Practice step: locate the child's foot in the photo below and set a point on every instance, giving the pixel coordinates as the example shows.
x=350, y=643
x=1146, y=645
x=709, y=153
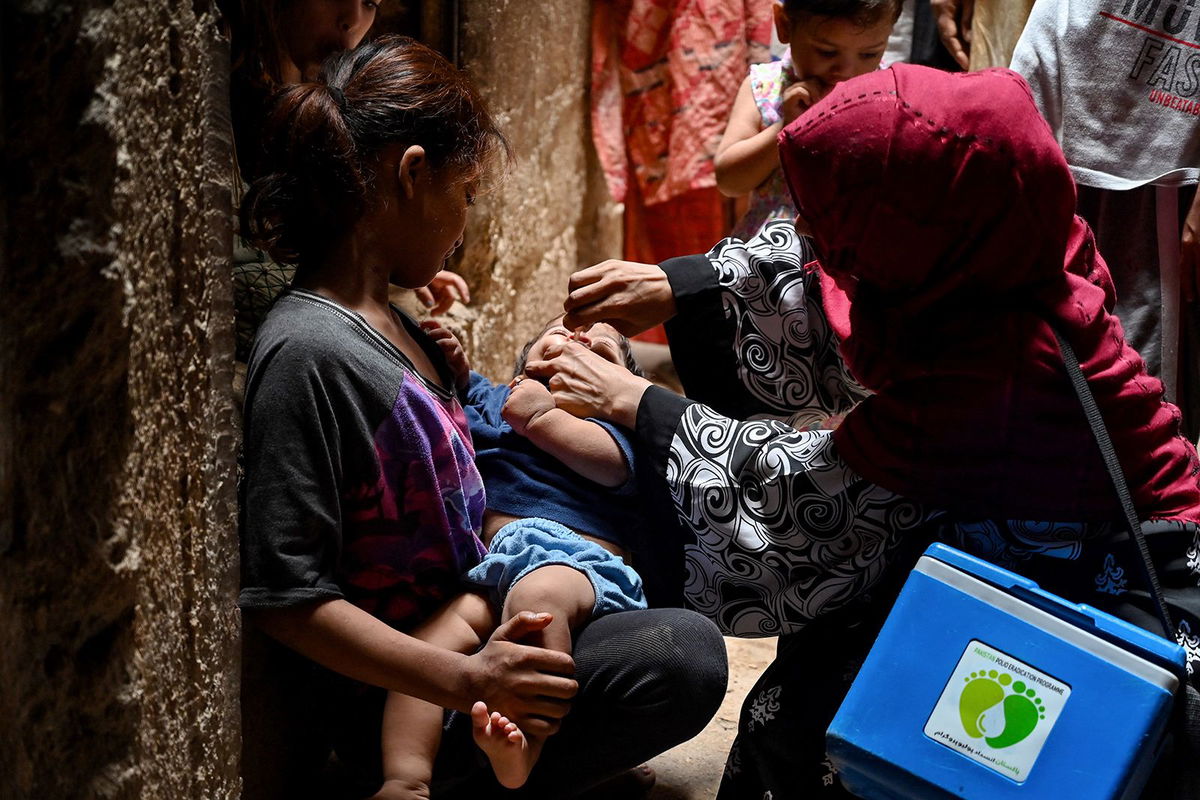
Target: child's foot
x=504, y=744
x=400, y=789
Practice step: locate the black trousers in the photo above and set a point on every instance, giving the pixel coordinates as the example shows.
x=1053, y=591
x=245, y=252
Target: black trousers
x=648, y=680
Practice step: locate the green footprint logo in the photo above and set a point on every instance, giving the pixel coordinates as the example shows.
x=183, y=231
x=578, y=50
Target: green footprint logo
x=1000, y=710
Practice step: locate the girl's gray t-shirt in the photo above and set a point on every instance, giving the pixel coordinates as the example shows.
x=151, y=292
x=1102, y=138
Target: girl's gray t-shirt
x=360, y=481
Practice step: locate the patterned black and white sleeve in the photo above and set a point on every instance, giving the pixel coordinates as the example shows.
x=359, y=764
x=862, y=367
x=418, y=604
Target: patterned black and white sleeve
x=750, y=338
x=781, y=529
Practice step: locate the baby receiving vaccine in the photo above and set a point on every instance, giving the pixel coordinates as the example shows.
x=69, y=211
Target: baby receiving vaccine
x=560, y=507
x=828, y=42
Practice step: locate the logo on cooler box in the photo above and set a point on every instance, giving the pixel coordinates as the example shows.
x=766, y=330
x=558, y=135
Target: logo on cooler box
x=997, y=710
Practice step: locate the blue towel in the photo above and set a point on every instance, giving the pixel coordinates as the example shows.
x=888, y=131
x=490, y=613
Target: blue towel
x=522, y=546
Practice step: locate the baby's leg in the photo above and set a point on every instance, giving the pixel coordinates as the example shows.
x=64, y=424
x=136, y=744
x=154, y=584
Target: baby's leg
x=412, y=728
x=567, y=594
x=563, y=591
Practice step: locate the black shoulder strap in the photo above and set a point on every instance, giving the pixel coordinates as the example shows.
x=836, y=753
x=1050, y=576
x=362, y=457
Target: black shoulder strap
x=1118, y=479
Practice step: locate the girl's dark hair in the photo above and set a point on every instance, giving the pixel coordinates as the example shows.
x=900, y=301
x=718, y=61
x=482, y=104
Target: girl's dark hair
x=323, y=140
x=630, y=361
x=863, y=13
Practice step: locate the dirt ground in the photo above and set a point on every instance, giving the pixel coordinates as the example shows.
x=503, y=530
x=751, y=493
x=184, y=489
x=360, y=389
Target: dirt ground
x=692, y=771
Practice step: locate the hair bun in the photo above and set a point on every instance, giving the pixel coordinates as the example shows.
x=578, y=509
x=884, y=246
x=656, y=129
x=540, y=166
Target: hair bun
x=319, y=163
x=339, y=97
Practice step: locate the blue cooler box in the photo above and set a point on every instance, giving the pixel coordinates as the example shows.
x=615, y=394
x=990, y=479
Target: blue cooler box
x=982, y=685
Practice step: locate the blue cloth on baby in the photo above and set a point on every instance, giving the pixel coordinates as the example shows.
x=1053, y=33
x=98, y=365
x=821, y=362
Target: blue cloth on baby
x=523, y=481
x=522, y=546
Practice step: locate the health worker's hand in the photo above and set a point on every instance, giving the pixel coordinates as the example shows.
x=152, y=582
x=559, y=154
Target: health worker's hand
x=529, y=685
x=452, y=349
x=954, y=19
x=528, y=401
x=442, y=291
x=631, y=297
x=587, y=385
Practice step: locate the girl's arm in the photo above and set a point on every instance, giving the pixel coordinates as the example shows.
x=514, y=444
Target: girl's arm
x=748, y=152
x=527, y=682
x=585, y=447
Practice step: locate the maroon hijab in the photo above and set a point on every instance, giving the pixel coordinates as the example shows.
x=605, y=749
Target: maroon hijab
x=943, y=211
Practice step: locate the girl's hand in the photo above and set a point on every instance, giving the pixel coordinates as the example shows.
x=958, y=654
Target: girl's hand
x=631, y=297
x=452, y=349
x=442, y=291
x=529, y=685
x=587, y=385
x=799, y=97
x=527, y=401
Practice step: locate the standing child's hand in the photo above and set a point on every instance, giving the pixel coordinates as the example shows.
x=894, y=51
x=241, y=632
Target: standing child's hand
x=798, y=97
x=954, y=19
x=452, y=349
x=527, y=401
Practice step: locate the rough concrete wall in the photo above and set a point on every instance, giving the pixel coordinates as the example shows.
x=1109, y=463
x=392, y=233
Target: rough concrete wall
x=552, y=213
x=117, y=623
x=118, y=634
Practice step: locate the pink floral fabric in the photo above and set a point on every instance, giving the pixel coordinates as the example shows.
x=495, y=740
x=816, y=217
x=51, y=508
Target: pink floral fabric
x=664, y=76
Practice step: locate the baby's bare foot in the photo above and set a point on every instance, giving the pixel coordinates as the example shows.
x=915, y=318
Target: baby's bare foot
x=400, y=789
x=504, y=744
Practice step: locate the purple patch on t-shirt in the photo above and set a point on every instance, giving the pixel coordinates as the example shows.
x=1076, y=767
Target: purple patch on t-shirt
x=410, y=537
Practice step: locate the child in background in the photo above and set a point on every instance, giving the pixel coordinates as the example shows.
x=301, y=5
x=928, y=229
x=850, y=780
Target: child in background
x=828, y=42
x=560, y=506
x=1134, y=149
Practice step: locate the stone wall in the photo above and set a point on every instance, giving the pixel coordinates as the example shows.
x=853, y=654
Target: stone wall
x=118, y=636
x=550, y=213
